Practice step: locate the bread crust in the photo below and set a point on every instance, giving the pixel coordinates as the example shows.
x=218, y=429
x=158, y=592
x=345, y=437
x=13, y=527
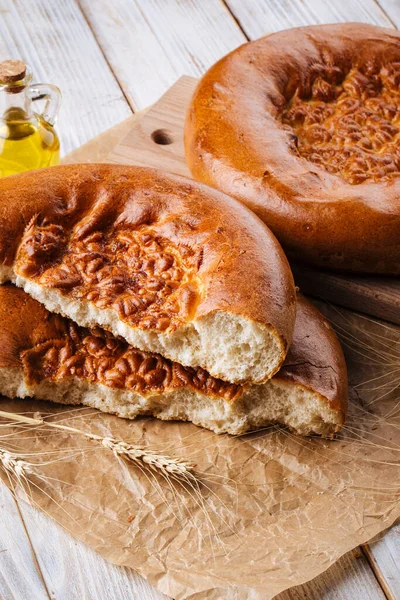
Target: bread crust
x=49, y=347
x=240, y=139
x=160, y=250
x=315, y=359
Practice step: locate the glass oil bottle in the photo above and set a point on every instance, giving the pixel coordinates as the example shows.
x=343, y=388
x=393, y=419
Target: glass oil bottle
x=27, y=138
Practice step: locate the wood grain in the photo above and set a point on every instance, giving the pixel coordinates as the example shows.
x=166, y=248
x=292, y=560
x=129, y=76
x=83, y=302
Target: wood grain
x=165, y=118
x=350, y=577
x=384, y=557
x=391, y=8
x=376, y=296
x=19, y=576
x=257, y=18
x=102, y=144
x=151, y=43
x=56, y=41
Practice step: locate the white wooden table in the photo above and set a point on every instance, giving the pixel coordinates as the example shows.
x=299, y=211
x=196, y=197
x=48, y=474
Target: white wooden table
x=112, y=58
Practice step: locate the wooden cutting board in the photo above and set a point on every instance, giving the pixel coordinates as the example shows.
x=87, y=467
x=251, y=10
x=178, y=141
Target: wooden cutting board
x=155, y=138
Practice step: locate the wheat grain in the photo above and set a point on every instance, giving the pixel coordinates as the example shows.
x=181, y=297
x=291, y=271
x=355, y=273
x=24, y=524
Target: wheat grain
x=14, y=465
x=154, y=461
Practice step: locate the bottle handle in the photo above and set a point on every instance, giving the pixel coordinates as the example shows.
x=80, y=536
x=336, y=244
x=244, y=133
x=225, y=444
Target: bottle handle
x=52, y=95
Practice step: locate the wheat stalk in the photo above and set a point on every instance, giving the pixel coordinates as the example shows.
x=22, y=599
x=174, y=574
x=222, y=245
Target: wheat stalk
x=144, y=457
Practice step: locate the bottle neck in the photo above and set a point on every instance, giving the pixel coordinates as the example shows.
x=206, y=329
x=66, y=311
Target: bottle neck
x=15, y=104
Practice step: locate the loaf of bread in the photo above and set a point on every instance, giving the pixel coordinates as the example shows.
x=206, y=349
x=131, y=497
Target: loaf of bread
x=170, y=265
x=51, y=358
x=302, y=126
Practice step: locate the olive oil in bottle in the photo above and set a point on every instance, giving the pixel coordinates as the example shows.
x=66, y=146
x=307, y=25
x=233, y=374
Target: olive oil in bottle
x=27, y=139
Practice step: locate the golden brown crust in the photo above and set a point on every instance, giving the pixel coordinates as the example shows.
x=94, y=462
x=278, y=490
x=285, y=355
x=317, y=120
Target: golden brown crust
x=315, y=358
x=49, y=347
x=304, y=127
x=160, y=250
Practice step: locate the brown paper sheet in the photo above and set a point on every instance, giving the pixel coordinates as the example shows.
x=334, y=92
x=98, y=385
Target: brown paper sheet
x=275, y=509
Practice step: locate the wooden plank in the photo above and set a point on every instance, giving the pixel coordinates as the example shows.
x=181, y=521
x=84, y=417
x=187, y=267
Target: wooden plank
x=151, y=43
x=391, y=9
x=259, y=18
x=73, y=570
x=101, y=145
x=351, y=578
x=19, y=575
x=384, y=557
x=156, y=140
x=56, y=41
x=377, y=296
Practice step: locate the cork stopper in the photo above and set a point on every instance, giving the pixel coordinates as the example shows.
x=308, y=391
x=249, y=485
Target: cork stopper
x=12, y=70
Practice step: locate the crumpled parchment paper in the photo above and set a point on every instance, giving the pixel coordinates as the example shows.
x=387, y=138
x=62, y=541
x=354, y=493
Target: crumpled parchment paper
x=274, y=509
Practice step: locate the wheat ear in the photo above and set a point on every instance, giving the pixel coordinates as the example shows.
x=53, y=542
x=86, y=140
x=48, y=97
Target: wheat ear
x=14, y=465
x=136, y=454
